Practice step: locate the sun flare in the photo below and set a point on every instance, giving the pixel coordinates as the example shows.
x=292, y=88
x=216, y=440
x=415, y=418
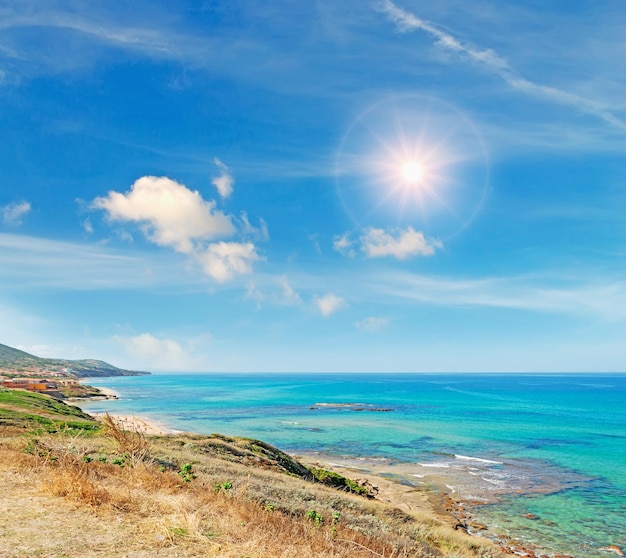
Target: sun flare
x=412, y=172
x=412, y=159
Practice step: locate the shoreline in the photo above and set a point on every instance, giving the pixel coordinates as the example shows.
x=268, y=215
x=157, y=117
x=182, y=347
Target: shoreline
x=427, y=499
x=435, y=498
x=432, y=493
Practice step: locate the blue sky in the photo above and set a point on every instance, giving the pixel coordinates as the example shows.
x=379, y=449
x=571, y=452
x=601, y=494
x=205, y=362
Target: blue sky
x=315, y=186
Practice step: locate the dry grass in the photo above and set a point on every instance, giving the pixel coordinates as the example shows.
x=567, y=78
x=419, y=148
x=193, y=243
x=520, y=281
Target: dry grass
x=149, y=504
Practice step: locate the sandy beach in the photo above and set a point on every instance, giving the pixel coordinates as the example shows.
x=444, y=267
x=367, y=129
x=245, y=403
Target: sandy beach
x=144, y=425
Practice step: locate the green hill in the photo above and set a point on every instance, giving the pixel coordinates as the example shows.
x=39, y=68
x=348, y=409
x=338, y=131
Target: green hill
x=21, y=408
x=14, y=361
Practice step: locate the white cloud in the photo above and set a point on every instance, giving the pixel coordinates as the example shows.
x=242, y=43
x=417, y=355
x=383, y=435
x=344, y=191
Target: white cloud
x=12, y=213
x=377, y=243
x=288, y=294
x=155, y=353
x=329, y=303
x=343, y=245
x=406, y=21
x=224, y=182
x=224, y=260
x=170, y=214
x=372, y=324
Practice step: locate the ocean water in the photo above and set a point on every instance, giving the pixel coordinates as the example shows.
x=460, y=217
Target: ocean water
x=553, y=446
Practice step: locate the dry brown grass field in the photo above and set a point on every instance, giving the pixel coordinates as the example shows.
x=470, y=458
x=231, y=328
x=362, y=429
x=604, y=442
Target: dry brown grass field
x=117, y=493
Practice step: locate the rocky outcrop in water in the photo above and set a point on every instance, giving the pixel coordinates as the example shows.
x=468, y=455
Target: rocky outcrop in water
x=351, y=407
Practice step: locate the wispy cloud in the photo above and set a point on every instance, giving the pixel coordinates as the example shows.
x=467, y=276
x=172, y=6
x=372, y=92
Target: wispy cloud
x=13, y=213
x=372, y=324
x=87, y=226
x=28, y=261
x=250, y=231
x=289, y=295
x=492, y=61
x=548, y=293
x=137, y=38
x=344, y=245
x=275, y=290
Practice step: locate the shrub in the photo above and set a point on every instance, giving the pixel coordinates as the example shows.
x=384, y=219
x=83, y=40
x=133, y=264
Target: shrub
x=338, y=481
x=186, y=472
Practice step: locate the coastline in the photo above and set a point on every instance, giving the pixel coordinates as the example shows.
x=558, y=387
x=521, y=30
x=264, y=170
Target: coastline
x=454, y=481
x=409, y=498
x=434, y=499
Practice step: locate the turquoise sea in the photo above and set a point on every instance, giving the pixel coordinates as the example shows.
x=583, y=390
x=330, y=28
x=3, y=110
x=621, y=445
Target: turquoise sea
x=553, y=446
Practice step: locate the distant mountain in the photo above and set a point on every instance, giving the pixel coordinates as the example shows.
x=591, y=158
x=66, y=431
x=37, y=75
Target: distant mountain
x=16, y=361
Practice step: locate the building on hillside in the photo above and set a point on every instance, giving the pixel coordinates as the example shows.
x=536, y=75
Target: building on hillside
x=68, y=381
x=31, y=384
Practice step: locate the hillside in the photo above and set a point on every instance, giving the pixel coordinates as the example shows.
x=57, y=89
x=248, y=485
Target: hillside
x=16, y=362
x=19, y=408
x=90, y=490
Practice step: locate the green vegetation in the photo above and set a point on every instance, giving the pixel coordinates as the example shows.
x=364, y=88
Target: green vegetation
x=24, y=408
x=186, y=472
x=222, y=486
x=338, y=481
x=315, y=517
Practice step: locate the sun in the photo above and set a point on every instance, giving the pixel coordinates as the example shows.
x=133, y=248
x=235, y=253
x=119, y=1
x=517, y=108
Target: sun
x=412, y=172
x=412, y=160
